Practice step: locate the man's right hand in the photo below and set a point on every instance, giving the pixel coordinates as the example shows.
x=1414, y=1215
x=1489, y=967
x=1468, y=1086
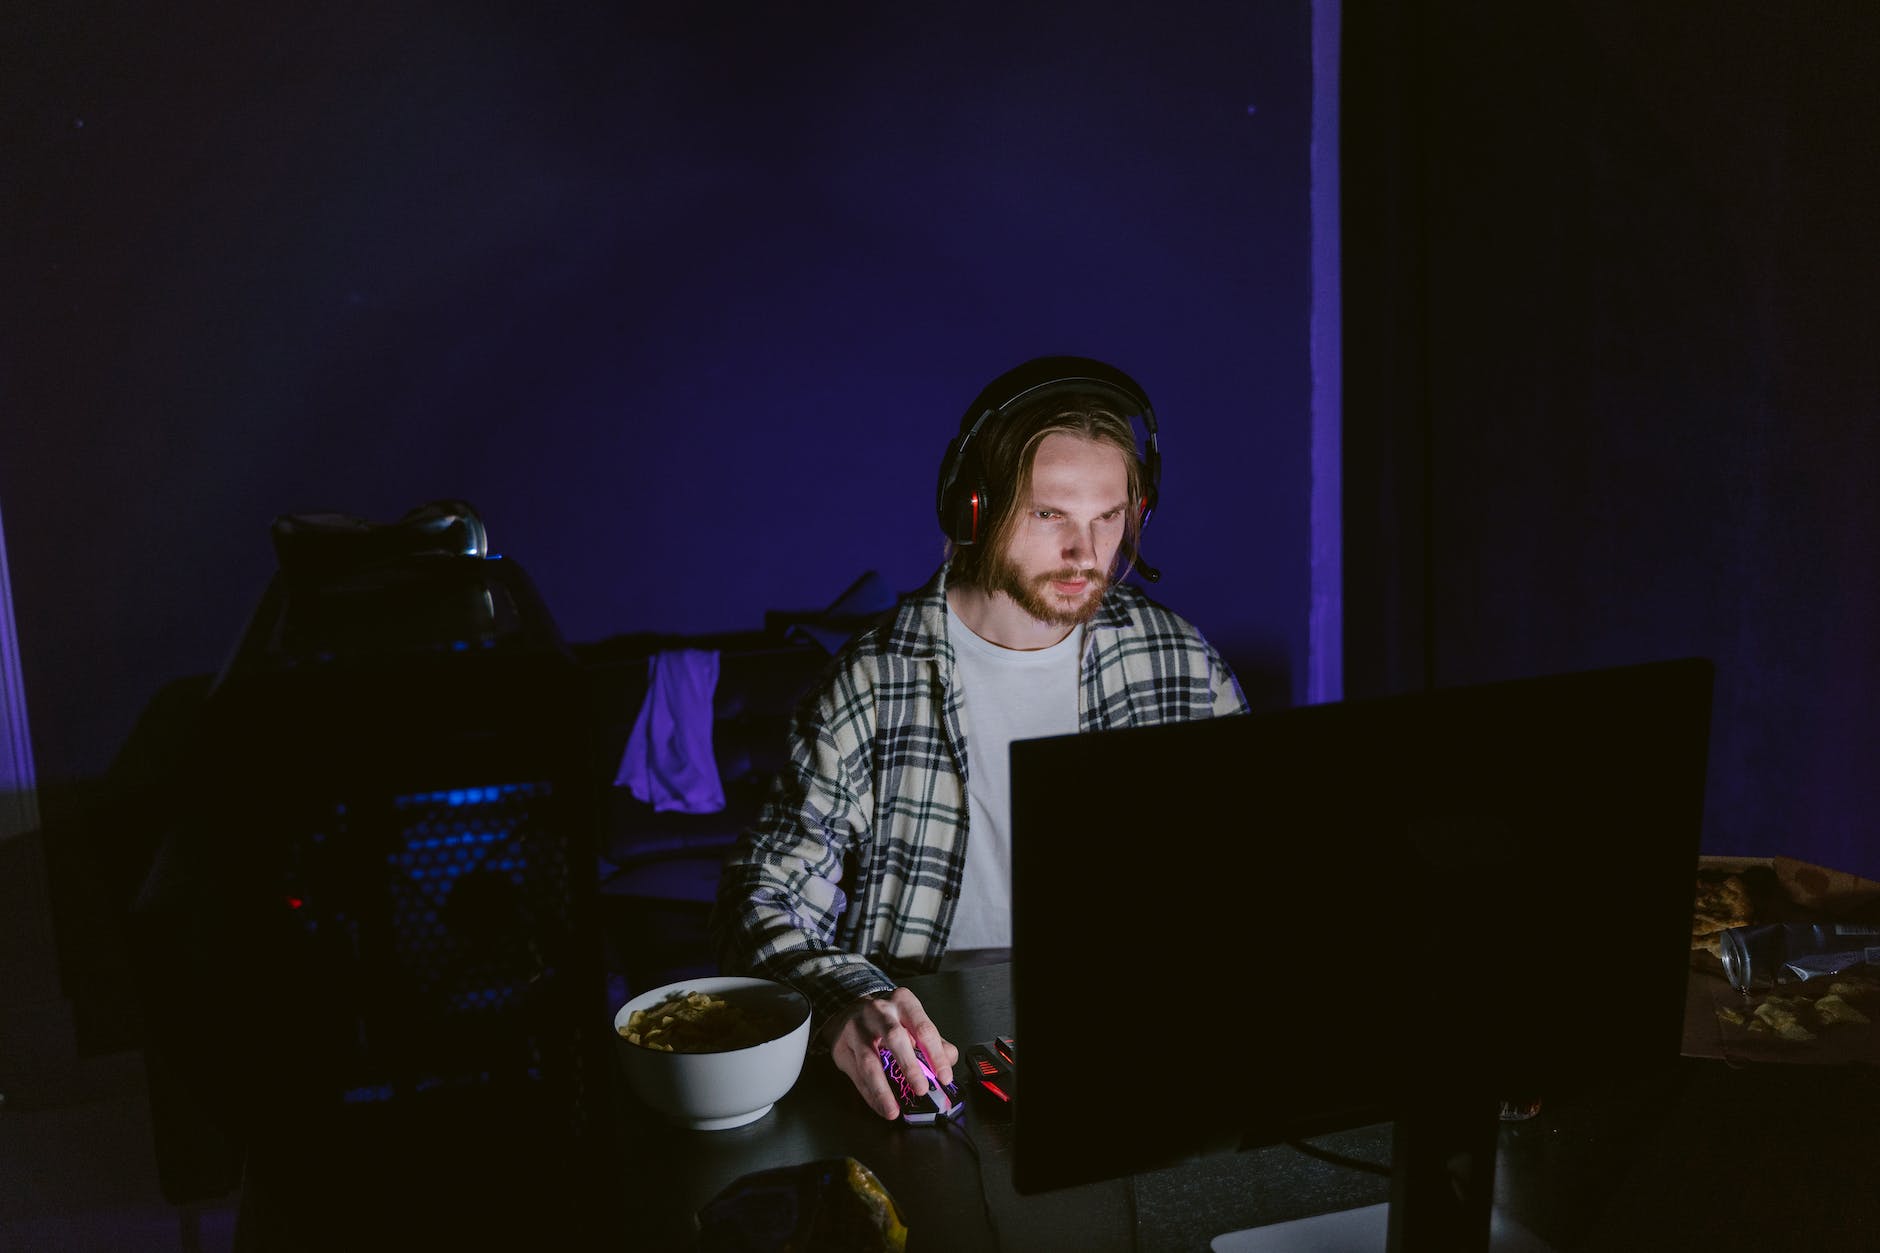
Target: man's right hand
x=897, y=1023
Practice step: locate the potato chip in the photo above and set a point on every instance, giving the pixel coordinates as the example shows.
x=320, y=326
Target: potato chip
x=695, y=1022
x=1783, y=1021
x=1833, y=1009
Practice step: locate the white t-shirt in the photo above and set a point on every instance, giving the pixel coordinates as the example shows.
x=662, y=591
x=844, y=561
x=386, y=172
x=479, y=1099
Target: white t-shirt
x=1006, y=694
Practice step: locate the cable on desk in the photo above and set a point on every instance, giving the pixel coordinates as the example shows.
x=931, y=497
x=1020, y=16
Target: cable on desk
x=979, y=1171
x=1339, y=1159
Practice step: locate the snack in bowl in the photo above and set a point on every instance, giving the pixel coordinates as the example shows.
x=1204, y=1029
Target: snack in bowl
x=698, y=1022
x=715, y=1052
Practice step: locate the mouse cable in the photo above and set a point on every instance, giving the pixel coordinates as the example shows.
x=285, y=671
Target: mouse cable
x=1339, y=1159
x=979, y=1172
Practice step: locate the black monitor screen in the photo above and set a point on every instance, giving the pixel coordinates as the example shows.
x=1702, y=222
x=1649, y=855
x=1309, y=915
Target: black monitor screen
x=1237, y=932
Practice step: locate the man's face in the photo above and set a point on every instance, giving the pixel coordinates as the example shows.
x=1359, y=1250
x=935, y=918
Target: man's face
x=1063, y=547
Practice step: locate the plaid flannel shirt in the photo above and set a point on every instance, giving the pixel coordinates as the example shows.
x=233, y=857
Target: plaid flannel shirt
x=850, y=877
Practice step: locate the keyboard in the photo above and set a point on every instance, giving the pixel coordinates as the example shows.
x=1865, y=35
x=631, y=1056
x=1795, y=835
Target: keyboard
x=993, y=1068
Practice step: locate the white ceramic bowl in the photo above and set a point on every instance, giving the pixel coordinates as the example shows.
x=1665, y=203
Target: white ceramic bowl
x=711, y=1091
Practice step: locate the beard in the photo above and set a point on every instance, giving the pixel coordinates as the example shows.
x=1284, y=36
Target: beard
x=1035, y=595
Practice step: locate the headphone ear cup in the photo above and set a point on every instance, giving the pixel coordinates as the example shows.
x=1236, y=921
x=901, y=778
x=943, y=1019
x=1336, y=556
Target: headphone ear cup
x=969, y=517
x=946, y=499
x=963, y=498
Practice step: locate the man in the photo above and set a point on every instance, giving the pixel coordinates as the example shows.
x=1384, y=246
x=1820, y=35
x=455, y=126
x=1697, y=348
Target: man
x=885, y=847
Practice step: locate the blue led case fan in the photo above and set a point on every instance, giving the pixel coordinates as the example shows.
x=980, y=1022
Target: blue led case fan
x=432, y=973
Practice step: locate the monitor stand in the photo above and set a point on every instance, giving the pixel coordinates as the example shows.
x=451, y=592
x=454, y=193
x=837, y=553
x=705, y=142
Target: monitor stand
x=1361, y=1230
x=1444, y=1144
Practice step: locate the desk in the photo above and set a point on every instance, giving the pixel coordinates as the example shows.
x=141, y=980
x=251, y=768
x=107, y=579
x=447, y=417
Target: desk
x=929, y=1170
x=1705, y=1155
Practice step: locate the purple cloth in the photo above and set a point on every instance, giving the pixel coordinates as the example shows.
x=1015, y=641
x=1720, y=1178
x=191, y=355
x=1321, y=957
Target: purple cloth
x=669, y=762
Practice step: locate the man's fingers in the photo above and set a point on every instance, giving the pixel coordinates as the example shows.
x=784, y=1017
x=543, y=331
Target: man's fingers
x=935, y=1048
x=865, y=1074
x=880, y=1096
x=897, y=1023
x=862, y=1063
x=940, y=1053
x=900, y=1044
x=943, y=1055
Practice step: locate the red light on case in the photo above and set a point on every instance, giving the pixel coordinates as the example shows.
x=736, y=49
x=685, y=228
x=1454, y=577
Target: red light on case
x=995, y=1090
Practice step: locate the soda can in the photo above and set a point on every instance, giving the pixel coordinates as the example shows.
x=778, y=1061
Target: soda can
x=1794, y=952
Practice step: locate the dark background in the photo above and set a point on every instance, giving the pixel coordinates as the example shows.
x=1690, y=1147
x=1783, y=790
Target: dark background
x=1612, y=392
x=686, y=300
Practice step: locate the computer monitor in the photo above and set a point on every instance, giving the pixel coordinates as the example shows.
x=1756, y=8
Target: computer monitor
x=1403, y=909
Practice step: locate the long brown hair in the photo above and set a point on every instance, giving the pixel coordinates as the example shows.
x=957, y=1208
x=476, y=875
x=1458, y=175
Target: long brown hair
x=1007, y=451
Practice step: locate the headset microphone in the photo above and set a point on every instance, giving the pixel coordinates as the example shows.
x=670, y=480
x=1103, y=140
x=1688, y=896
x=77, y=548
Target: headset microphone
x=1147, y=571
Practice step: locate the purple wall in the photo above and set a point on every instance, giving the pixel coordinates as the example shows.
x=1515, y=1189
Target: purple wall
x=686, y=303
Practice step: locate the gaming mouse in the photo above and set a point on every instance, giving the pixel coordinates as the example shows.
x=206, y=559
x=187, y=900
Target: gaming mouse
x=941, y=1100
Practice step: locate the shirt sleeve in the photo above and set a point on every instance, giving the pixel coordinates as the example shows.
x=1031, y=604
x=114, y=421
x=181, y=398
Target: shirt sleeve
x=780, y=900
x=1224, y=688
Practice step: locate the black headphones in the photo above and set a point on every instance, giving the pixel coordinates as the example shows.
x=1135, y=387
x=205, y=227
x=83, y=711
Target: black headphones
x=964, y=500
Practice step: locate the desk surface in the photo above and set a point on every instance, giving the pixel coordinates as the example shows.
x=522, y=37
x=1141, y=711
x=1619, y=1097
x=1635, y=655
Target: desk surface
x=1706, y=1155
x=930, y=1171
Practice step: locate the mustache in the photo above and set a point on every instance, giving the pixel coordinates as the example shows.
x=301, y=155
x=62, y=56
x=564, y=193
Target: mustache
x=1069, y=576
